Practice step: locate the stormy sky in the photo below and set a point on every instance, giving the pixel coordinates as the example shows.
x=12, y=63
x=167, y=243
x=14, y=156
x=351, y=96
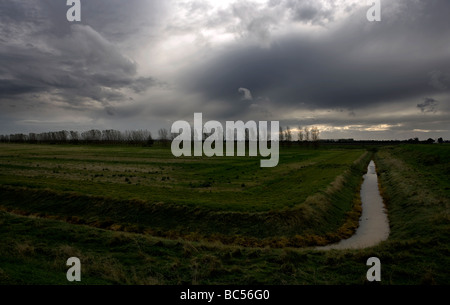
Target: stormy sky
x=143, y=64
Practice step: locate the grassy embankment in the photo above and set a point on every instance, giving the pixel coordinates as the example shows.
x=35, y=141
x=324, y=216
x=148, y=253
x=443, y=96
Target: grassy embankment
x=34, y=250
x=306, y=200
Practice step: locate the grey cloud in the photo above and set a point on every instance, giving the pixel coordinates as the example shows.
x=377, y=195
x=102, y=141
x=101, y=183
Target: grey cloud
x=110, y=110
x=79, y=65
x=259, y=23
x=355, y=66
x=246, y=94
x=429, y=105
x=439, y=80
x=117, y=20
x=14, y=87
x=253, y=22
x=125, y=23
x=96, y=53
x=40, y=51
x=142, y=83
x=309, y=11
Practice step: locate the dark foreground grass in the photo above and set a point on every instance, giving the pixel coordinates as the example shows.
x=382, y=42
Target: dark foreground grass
x=34, y=250
x=417, y=198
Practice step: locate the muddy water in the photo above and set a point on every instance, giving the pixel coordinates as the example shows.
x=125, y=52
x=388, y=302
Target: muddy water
x=373, y=224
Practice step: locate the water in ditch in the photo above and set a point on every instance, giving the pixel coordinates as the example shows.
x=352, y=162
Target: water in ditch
x=373, y=223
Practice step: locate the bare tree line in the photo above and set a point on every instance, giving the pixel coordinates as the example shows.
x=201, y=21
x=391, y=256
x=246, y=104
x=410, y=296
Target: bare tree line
x=136, y=137
x=304, y=134
x=109, y=136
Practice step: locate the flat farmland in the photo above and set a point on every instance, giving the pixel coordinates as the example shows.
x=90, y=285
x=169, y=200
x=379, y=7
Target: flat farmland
x=154, y=175
x=147, y=190
x=137, y=215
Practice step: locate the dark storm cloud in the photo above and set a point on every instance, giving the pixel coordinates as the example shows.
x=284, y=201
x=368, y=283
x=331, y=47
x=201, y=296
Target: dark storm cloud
x=302, y=62
x=429, y=105
x=11, y=88
x=43, y=53
x=357, y=65
x=116, y=19
x=82, y=64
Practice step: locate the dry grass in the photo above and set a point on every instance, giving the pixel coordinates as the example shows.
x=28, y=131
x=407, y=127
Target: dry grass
x=25, y=248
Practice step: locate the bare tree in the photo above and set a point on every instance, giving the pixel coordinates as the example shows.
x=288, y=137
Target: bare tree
x=288, y=134
x=163, y=134
x=112, y=136
x=300, y=134
x=62, y=136
x=33, y=137
x=92, y=135
x=18, y=138
x=149, y=139
x=281, y=134
x=307, y=134
x=315, y=134
x=74, y=136
x=4, y=138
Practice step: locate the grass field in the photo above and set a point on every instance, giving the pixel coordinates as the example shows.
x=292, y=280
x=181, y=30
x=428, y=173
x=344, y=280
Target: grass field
x=147, y=190
x=139, y=216
x=153, y=174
